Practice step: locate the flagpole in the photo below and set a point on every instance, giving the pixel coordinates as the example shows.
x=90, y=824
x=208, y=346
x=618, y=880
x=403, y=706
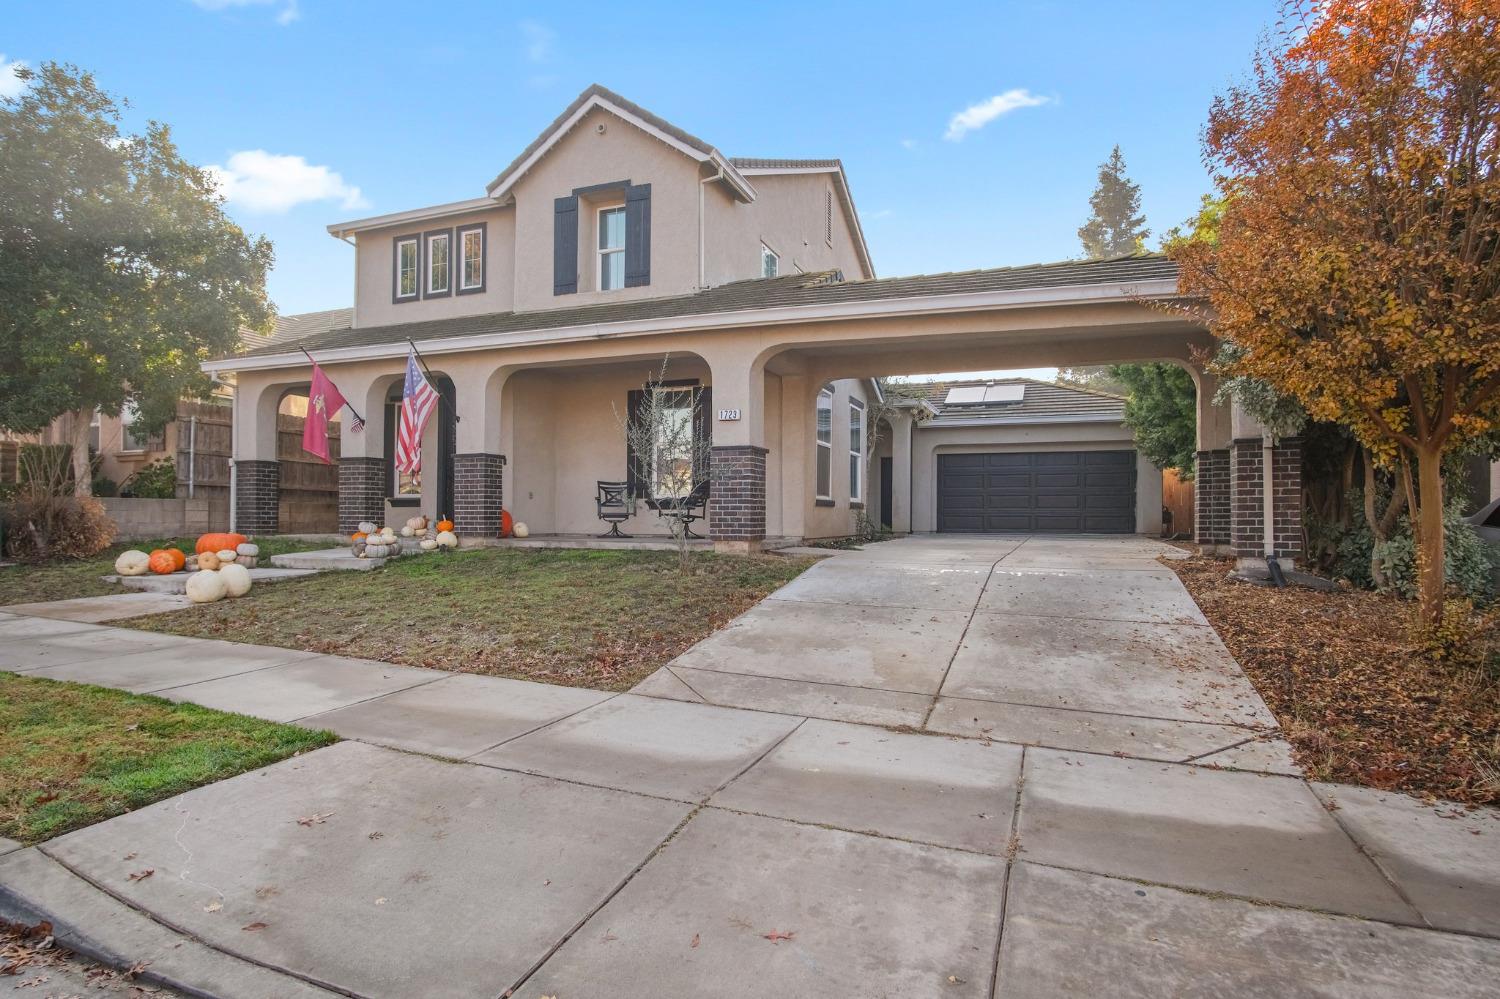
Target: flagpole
x=352, y=410
x=428, y=372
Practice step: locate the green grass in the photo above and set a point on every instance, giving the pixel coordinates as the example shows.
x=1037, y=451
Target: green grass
x=72, y=755
x=602, y=619
x=64, y=579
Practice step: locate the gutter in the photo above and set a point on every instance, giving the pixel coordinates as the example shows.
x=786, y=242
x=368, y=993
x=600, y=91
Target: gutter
x=775, y=316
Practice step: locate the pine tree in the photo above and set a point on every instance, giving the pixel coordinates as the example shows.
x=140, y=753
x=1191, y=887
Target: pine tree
x=1116, y=226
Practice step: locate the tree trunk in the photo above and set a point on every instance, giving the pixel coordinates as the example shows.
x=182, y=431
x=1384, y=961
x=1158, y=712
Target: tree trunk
x=78, y=438
x=1429, y=535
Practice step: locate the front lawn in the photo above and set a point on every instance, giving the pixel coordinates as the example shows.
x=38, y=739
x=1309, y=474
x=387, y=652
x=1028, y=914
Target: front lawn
x=601, y=619
x=1355, y=697
x=64, y=579
x=72, y=755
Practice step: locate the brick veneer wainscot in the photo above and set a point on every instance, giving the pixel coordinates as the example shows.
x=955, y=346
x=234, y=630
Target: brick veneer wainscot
x=1247, y=512
x=737, y=497
x=478, y=493
x=362, y=488
x=257, y=496
x=1211, y=498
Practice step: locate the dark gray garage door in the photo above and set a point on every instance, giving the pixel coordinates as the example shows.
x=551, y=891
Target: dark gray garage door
x=1065, y=491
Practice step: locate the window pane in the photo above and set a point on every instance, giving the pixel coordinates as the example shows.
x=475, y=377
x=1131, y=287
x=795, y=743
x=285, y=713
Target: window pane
x=437, y=267
x=473, y=259
x=856, y=429
x=611, y=270
x=612, y=229
x=825, y=472
x=408, y=270
x=854, y=492
x=768, y=262
x=672, y=451
x=825, y=418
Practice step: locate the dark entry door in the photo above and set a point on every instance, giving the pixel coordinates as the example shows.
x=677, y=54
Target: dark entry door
x=1051, y=491
x=887, y=481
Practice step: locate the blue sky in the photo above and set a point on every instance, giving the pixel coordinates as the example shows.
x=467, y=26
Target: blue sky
x=322, y=110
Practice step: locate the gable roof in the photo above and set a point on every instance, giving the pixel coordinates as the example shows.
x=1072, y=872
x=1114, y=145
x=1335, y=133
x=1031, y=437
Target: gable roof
x=294, y=328
x=597, y=96
x=789, y=296
x=752, y=167
x=1041, y=402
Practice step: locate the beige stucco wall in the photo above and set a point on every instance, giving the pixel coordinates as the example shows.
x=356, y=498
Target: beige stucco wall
x=375, y=272
x=929, y=442
x=788, y=216
x=835, y=519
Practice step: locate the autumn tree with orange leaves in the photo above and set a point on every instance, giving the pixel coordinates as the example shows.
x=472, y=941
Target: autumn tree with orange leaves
x=1356, y=268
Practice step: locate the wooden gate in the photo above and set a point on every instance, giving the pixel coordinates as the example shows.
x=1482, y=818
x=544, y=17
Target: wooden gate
x=1177, y=505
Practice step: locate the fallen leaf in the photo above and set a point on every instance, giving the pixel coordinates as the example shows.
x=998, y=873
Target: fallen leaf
x=380, y=901
x=214, y=906
x=376, y=835
x=315, y=819
x=252, y=927
x=955, y=980
x=141, y=875
x=776, y=936
x=695, y=941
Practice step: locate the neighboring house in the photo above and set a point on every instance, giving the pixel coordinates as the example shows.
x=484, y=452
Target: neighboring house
x=616, y=241
x=1024, y=455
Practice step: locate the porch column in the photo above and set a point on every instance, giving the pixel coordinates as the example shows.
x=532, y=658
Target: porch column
x=479, y=465
x=257, y=496
x=478, y=493
x=901, y=432
x=362, y=489
x=1211, y=483
x=257, y=472
x=1248, y=499
x=737, y=467
x=364, y=479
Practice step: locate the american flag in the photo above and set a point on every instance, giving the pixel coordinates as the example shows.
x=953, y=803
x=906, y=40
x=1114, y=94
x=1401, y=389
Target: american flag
x=418, y=399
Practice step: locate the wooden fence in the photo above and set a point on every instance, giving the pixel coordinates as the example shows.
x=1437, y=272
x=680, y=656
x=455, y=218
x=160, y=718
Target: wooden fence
x=1177, y=504
x=309, y=488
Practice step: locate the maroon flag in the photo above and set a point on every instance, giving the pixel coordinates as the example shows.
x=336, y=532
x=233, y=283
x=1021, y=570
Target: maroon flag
x=323, y=400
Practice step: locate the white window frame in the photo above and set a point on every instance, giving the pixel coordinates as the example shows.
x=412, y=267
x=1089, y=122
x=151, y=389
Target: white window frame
x=856, y=454
x=446, y=237
x=600, y=252
x=415, y=242
x=463, y=259
x=767, y=253
x=823, y=448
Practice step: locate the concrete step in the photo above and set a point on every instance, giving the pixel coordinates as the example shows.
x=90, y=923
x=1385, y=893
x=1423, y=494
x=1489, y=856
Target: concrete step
x=328, y=558
x=177, y=582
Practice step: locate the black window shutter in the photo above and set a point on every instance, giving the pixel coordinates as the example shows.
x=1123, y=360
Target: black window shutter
x=637, y=235
x=703, y=416
x=634, y=402
x=565, y=246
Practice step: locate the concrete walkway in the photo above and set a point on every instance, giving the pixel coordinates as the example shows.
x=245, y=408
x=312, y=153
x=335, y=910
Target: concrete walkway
x=591, y=844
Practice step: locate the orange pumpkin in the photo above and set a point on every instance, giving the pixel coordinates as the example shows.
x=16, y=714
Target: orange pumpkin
x=177, y=556
x=218, y=542
x=161, y=563
x=444, y=524
x=507, y=522
x=358, y=536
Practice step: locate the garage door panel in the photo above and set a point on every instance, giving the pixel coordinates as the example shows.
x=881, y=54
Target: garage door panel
x=1061, y=491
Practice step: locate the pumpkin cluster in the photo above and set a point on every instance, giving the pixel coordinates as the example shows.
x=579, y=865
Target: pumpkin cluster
x=220, y=565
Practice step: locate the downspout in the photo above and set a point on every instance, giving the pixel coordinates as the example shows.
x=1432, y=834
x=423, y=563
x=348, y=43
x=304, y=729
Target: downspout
x=192, y=452
x=1268, y=508
x=702, y=269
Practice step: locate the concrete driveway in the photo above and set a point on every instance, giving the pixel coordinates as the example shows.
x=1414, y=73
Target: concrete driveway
x=1083, y=643
x=484, y=837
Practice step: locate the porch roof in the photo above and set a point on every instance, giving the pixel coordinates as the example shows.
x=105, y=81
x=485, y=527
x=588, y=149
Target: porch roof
x=787, y=295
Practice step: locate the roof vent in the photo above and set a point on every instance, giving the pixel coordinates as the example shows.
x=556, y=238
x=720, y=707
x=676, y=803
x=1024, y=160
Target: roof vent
x=978, y=395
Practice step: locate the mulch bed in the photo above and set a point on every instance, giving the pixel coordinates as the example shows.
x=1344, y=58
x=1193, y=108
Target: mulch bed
x=1354, y=694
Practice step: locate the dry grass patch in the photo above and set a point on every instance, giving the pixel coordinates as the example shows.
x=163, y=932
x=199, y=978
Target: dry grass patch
x=601, y=619
x=1354, y=694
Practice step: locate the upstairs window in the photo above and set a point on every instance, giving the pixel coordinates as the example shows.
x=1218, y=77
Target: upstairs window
x=825, y=445
x=471, y=259
x=439, y=263
x=770, y=263
x=611, y=248
x=407, y=268
x=856, y=451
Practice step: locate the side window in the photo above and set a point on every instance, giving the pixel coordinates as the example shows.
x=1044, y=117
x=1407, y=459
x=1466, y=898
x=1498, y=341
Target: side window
x=611, y=248
x=439, y=263
x=407, y=267
x=770, y=263
x=856, y=451
x=825, y=445
x=471, y=240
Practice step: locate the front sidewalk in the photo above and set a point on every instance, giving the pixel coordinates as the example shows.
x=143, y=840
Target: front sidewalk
x=646, y=847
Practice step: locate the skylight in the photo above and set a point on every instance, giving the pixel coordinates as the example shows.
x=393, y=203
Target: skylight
x=976, y=395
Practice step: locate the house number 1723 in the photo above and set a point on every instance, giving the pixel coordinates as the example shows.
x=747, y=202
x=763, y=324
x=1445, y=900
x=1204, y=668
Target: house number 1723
x=729, y=414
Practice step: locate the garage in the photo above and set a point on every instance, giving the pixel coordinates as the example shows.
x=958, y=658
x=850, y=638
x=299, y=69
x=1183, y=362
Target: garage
x=1067, y=492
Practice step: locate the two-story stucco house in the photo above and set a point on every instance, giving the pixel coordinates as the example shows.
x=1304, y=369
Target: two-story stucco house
x=617, y=242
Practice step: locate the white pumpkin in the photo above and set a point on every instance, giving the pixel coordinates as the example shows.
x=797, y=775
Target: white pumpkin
x=428, y=544
x=132, y=563
x=247, y=549
x=205, y=586
x=368, y=527
x=226, y=555
x=236, y=579
x=447, y=539
x=408, y=531
x=208, y=561
x=248, y=561
x=520, y=530
x=417, y=524
x=377, y=550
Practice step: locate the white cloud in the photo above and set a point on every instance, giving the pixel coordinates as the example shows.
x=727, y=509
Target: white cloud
x=11, y=85
x=264, y=182
x=884, y=213
x=538, y=39
x=976, y=116
x=290, y=10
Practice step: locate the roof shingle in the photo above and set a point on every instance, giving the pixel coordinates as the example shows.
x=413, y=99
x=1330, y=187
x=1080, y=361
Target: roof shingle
x=1041, y=401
